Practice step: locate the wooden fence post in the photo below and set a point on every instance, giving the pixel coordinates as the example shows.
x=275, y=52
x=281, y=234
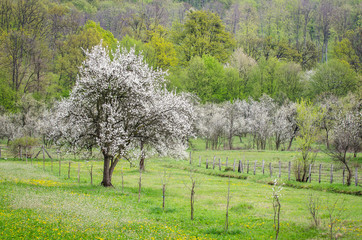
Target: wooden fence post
x=199, y=161
x=207, y=163
x=242, y=167
x=234, y=166
x=226, y=165
x=270, y=169
x=219, y=164
x=247, y=167
x=78, y=172
x=356, y=177
x=239, y=166
x=254, y=167
x=320, y=172
x=60, y=166
x=91, y=175
x=343, y=175
x=190, y=158
x=310, y=173
x=280, y=169
x=331, y=173
x=213, y=163
x=69, y=170
x=26, y=155
x=43, y=158
x=289, y=166
x=263, y=167
x=20, y=153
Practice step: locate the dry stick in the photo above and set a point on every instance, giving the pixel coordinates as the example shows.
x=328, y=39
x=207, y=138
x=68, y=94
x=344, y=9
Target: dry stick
x=343, y=175
x=270, y=169
x=227, y=208
x=199, y=161
x=289, y=166
x=310, y=173
x=280, y=169
x=254, y=167
x=122, y=179
x=43, y=159
x=140, y=185
x=263, y=167
x=331, y=173
x=69, y=170
x=163, y=195
x=91, y=176
x=78, y=172
x=320, y=173
x=219, y=164
x=356, y=177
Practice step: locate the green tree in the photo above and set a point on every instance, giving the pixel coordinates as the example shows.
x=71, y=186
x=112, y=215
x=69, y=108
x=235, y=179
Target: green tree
x=206, y=78
x=165, y=55
x=204, y=34
x=345, y=52
x=308, y=119
x=264, y=78
x=71, y=53
x=334, y=77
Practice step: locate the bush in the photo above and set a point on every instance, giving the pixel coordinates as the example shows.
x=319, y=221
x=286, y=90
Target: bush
x=25, y=143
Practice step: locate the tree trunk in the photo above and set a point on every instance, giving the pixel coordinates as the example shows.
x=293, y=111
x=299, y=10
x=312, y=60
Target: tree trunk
x=349, y=176
x=108, y=167
x=142, y=159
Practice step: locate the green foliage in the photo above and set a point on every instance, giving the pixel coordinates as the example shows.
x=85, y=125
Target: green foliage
x=71, y=52
x=210, y=81
x=204, y=34
x=345, y=52
x=7, y=96
x=23, y=142
x=264, y=78
x=334, y=77
x=164, y=52
x=308, y=119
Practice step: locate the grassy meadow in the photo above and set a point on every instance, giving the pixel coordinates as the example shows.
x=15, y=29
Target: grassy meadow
x=41, y=204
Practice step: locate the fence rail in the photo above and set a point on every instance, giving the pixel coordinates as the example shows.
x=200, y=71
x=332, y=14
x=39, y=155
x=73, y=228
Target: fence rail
x=320, y=172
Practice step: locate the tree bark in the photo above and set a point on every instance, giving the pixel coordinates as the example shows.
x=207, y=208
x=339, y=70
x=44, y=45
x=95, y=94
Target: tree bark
x=107, y=171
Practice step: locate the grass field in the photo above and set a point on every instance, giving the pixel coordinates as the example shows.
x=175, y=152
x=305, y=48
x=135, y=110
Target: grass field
x=40, y=204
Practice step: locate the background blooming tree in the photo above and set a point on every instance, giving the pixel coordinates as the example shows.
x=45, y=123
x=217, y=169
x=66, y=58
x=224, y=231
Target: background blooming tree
x=119, y=104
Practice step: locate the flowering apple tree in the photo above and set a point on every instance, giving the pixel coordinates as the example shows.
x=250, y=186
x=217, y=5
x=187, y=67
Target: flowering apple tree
x=120, y=104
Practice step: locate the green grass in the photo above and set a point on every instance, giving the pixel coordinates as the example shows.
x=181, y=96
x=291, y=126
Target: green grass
x=42, y=204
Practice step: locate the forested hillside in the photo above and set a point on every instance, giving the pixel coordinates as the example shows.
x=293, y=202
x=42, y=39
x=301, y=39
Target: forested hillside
x=220, y=50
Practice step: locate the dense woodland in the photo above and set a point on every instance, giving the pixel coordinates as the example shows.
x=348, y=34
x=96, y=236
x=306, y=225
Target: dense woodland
x=219, y=50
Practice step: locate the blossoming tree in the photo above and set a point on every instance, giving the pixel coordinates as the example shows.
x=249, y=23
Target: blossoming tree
x=120, y=104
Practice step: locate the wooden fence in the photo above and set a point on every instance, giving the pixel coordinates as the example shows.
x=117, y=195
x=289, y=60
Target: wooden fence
x=320, y=172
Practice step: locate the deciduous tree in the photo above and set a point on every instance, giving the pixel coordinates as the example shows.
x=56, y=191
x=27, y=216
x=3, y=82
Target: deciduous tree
x=118, y=103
